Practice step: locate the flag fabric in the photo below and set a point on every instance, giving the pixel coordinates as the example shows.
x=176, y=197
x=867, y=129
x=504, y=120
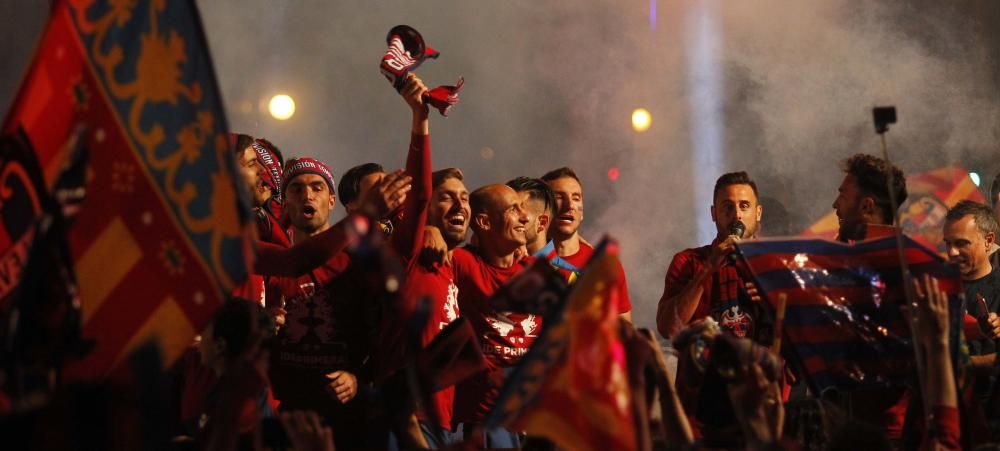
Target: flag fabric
x=930, y=195
x=842, y=321
x=538, y=290
x=572, y=386
x=162, y=234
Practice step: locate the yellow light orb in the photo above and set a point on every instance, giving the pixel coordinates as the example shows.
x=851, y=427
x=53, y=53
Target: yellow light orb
x=281, y=107
x=641, y=120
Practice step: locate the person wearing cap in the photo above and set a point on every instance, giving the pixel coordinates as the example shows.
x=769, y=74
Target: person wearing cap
x=324, y=350
x=271, y=224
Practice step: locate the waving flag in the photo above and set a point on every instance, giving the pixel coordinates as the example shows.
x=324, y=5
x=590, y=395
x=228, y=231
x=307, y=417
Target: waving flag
x=842, y=318
x=160, y=238
x=572, y=386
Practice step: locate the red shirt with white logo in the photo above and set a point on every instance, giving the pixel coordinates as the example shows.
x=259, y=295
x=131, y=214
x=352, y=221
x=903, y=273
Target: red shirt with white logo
x=504, y=336
x=580, y=259
x=438, y=285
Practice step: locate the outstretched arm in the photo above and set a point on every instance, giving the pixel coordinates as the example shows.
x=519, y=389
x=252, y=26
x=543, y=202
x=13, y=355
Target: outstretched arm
x=407, y=238
x=272, y=260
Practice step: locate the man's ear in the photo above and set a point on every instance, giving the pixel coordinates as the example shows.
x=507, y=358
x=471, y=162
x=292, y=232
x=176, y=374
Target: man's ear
x=711, y=210
x=990, y=239
x=868, y=206
x=333, y=200
x=482, y=221
x=760, y=212
x=543, y=222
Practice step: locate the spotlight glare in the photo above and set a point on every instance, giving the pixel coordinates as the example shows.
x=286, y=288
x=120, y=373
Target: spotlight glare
x=281, y=107
x=613, y=173
x=975, y=178
x=641, y=120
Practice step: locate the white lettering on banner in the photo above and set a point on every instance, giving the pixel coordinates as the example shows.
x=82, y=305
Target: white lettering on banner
x=503, y=351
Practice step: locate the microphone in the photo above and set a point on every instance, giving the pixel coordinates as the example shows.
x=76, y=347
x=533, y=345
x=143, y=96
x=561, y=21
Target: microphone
x=737, y=228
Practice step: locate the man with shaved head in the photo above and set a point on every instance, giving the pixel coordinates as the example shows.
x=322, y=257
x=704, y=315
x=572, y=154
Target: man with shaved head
x=499, y=223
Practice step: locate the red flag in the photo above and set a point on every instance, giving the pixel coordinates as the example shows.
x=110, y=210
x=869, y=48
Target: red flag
x=161, y=236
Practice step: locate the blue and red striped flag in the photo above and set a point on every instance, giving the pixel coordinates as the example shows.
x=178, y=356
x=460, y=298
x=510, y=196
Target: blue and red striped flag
x=843, y=320
x=161, y=238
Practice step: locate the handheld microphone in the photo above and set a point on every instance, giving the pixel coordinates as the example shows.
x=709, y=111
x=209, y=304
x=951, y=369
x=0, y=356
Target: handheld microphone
x=737, y=228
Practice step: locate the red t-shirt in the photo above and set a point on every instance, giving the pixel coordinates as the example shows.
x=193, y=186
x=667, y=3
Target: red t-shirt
x=580, y=259
x=504, y=336
x=438, y=285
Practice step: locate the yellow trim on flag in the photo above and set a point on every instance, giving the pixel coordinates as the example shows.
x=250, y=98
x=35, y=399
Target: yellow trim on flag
x=105, y=263
x=169, y=326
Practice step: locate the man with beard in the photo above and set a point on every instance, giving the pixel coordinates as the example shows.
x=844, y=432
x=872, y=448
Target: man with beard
x=260, y=165
x=862, y=203
x=703, y=282
x=565, y=231
x=448, y=212
x=865, y=212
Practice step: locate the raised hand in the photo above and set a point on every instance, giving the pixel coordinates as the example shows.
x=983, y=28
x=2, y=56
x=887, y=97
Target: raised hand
x=932, y=314
x=413, y=91
x=387, y=195
x=435, y=250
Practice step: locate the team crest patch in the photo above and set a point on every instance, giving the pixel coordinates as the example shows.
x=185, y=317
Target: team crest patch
x=736, y=321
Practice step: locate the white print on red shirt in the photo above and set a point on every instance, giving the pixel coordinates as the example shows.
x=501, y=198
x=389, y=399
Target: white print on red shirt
x=451, y=304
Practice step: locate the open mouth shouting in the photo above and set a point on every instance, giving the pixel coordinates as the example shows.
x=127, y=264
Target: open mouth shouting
x=309, y=211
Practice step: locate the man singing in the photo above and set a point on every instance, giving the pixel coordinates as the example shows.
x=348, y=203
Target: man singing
x=701, y=282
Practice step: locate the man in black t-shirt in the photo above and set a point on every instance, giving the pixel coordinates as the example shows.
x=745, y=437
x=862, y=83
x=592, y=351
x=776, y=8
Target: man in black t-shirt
x=969, y=233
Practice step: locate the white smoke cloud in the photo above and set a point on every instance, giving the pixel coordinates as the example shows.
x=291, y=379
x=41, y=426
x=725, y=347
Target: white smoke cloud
x=550, y=84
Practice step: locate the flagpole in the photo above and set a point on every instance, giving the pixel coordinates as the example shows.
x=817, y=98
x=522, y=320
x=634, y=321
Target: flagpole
x=883, y=116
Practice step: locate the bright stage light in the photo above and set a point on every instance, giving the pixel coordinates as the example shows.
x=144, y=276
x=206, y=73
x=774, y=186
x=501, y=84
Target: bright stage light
x=613, y=173
x=975, y=178
x=281, y=107
x=641, y=119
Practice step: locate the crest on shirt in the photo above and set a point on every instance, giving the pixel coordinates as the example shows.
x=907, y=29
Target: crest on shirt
x=501, y=324
x=736, y=321
x=451, y=304
x=309, y=315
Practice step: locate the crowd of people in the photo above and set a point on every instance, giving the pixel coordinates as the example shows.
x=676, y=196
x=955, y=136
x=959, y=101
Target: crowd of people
x=310, y=343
